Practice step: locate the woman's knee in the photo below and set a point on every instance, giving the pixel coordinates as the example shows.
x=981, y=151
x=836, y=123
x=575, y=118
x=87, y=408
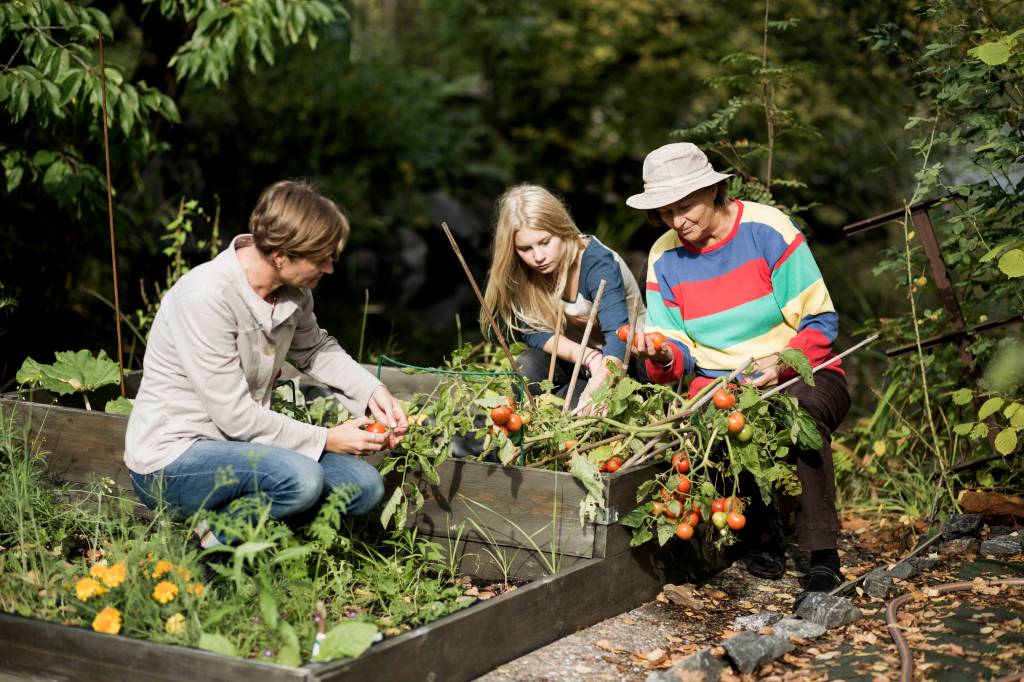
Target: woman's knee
x=296, y=489
x=371, y=488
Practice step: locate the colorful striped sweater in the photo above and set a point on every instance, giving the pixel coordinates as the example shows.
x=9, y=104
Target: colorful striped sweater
x=756, y=292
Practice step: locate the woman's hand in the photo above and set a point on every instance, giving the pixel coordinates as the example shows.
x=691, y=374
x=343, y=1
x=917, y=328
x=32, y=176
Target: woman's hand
x=389, y=411
x=770, y=371
x=351, y=438
x=644, y=349
x=599, y=376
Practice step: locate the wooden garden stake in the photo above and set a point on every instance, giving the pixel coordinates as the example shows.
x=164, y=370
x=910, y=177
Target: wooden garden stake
x=831, y=361
x=631, y=336
x=583, y=345
x=110, y=216
x=554, y=350
x=487, y=312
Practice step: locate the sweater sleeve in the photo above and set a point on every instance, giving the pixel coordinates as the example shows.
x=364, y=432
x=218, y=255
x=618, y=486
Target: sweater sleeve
x=804, y=300
x=663, y=315
x=319, y=355
x=613, y=313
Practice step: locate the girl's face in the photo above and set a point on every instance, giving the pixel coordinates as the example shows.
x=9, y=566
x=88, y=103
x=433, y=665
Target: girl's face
x=692, y=216
x=539, y=250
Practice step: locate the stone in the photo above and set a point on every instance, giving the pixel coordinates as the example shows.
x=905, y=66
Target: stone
x=960, y=547
x=749, y=650
x=703, y=662
x=878, y=584
x=804, y=629
x=924, y=563
x=962, y=526
x=995, y=531
x=1002, y=545
x=827, y=611
x=756, y=621
x=904, y=571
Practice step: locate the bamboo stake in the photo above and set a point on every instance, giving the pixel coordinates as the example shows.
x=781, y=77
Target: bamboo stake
x=831, y=361
x=583, y=345
x=631, y=336
x=558, y=338
x=487, y=312
x=110, y=217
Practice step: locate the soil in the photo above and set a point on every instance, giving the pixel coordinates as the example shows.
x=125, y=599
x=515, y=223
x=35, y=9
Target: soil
x=967, y=635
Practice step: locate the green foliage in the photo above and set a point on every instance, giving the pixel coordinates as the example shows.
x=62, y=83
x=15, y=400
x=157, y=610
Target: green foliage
x=71, y=372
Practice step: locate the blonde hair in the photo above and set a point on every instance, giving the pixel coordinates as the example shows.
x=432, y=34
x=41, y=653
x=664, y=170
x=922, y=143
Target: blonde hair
x=293, y=217
x=522, y=299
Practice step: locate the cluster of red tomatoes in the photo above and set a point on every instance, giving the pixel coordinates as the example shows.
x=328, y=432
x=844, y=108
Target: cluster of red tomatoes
x=507, y=419
x=657, y=339
x=738, y=426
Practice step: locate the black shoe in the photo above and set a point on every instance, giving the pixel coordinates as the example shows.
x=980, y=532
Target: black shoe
x=766, y=565
x=818, y=579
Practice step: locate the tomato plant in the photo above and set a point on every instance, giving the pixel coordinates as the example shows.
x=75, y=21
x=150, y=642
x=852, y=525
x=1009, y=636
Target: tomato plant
x=500, y=414
x=680, y=462
x=684, y=531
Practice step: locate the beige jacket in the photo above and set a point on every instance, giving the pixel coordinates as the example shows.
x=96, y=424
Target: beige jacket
x=213, y=353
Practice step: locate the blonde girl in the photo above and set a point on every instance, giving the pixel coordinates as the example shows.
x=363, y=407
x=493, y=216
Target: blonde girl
x=544, y=275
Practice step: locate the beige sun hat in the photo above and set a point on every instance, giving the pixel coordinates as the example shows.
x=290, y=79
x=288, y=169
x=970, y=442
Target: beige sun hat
x=673, y=171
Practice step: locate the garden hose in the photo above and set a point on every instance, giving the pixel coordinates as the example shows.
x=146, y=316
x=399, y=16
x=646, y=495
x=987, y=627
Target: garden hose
x=906, y=660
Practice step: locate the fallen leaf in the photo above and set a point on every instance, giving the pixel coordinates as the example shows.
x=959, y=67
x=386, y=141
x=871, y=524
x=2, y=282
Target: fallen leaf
x=855, y=524
x=683, y=595
x=608, y=646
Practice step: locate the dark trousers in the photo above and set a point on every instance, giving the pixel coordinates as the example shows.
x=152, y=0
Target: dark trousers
x=817, y=523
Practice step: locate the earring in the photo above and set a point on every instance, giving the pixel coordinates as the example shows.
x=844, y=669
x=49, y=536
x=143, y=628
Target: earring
x=280, y=265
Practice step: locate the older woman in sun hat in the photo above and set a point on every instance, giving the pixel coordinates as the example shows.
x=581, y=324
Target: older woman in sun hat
x=729, y=280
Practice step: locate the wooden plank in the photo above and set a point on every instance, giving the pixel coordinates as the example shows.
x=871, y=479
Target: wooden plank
x=80, y=655
x=81, y=446
x=469, y=643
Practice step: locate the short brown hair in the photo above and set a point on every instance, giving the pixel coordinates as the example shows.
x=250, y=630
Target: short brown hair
x=721, y=199
x=292, y=216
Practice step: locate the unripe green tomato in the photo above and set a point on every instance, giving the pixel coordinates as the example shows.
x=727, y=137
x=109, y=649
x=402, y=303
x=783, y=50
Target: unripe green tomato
x=746, y=433
x=719, y=519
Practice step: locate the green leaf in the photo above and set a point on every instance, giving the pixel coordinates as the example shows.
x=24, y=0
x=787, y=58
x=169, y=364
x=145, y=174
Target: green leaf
x=640, y=537
x=979, y=431
x=31, y=373
x=586, y=473
x=1012, y=263
x=346, y=639
x=962, y=396
x=989, y=407
x=635, y=518
x=120, y=405
x=665, y=533
x=795, y=359
x=964, y=429
x=993, y=54
x=1006, y=441
x=805, y=431
x=217, y=643
x=1016, y=417
x=391, y=506
x=995, y=250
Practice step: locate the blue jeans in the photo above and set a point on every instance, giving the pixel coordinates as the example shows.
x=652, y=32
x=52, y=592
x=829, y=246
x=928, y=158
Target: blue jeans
x=213, y=473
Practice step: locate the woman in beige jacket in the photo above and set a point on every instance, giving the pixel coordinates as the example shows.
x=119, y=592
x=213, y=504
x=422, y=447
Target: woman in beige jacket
x=201, y=433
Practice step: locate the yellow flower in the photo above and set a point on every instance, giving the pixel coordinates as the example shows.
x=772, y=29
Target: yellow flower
x=165, y=591
x=175, y=625
x=162, y=567
x=87, y=588
x=115, y=575
x=196, y=588
x=98, y=569
x=108, y=620
x=183, y=573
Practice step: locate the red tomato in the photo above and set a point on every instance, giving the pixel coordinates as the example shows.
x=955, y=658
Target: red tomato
x=623, y=332
x=514, y=423
x=684, y=531
x=500, y=415
x=736, y=521
x=718, y=505
x=568, y=445
x=733, y=504
x=683, y=486
x=723, y=400
x=695, y=508
x=680, y=462
x=613, y=464
x=657, y=340
x=657, y=509
x=376, y=427
x=694, y=519
x=736, y=422
x=674, y=509
x=666, y=495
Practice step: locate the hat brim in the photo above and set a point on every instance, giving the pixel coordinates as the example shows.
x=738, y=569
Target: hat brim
x=649, y=200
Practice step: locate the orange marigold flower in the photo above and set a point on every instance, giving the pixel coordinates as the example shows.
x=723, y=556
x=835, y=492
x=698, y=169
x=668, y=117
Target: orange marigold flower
x=165, y=591
x=98, y=569
x=87, y=588
x=183, y=573
x=196, y=588
x=175, y=625
x=162, y=568
x=115, y=575
x=108, y=620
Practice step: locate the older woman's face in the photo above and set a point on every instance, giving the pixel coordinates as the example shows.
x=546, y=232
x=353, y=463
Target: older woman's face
x=692, y=216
